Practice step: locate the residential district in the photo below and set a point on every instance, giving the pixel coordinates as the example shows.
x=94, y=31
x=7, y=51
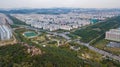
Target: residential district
x=63, y=21
x=33, y=30
x=5, y=31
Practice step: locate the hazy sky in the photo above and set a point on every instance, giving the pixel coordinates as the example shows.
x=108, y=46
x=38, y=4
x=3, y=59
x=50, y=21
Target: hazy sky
x=60, y=3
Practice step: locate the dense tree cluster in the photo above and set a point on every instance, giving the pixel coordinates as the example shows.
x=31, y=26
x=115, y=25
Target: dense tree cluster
x=16, y=56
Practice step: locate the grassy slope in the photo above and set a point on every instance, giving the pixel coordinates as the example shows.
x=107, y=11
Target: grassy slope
x=94, y=31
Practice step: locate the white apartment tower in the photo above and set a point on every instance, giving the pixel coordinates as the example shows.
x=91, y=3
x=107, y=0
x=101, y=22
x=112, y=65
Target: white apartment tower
x=113, y=34
x=5, y=32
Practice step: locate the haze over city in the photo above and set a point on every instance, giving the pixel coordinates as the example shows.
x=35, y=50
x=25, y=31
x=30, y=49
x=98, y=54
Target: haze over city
x=59, y=33
x=59, y=3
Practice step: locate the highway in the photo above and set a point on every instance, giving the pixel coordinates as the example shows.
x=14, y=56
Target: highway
x=100, y=51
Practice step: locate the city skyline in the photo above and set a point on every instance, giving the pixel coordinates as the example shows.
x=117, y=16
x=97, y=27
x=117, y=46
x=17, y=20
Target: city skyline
x=59, y=3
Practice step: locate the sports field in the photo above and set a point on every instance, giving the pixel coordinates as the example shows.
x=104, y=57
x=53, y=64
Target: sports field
x=30, y=34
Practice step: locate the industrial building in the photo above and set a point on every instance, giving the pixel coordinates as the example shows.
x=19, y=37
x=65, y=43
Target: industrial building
x=5, y=32
x=113, y=34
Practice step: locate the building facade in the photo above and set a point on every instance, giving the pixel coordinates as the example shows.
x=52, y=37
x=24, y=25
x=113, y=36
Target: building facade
x=113, y=34
x=5, y=32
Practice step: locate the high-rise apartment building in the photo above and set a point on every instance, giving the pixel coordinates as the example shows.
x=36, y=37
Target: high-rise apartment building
x=113, y=34
x=5, y=32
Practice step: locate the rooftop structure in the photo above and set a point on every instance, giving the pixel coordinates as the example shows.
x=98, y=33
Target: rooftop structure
x=114, y=44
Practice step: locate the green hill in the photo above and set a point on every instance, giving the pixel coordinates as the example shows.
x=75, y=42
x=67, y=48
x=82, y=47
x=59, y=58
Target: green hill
x=93, y=31
x=16, y=56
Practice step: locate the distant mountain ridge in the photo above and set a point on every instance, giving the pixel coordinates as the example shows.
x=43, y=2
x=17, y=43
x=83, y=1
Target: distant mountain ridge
x=54, y=10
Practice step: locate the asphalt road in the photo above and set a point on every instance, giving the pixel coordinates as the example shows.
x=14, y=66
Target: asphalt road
x=100, y=51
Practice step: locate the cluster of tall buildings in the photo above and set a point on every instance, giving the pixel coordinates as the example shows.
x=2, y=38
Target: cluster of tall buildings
x=5, y=31
x=113, y=34
x=4, y=19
